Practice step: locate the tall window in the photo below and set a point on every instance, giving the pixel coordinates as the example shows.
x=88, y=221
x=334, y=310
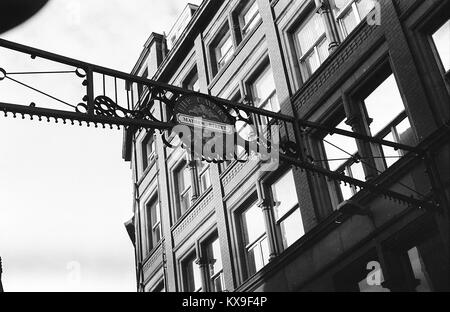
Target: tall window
x=341, y=152
x=286, y=209
x=223, y=51
x=192, y=82
x=182, y=189
x=153, y=223
x=349, y=13
x=204, y=175
x=441, y=41
x=249, y=18
x=386, y=111
x=264, y=92
x=384, y=116
x=192, y=279
x=148, y=149
x=215, y=272
x=312, y=44
x=255, y=239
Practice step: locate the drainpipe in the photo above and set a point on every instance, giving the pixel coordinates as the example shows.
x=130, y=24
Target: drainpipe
x=325, y=10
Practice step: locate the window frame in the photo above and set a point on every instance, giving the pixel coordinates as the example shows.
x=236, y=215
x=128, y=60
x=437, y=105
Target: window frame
x=359, y=93
x=246, y=245
x=268, y=189
x=191, y=79
x=218, y=40
x=204, y=170
x=150, y=242
x=148, y=159
x=246, y=29
x=180, y=168
x=437, y=55
x=159, y=287
x=205, y=249
x=190, y=257
x=262, y=103
x=351, y=5
x=306, y=17
x=334, y=187
x=224, y=58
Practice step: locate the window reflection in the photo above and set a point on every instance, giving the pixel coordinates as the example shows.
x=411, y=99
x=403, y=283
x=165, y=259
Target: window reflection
x=286, y=209
x=255, y=239
x=441, y=40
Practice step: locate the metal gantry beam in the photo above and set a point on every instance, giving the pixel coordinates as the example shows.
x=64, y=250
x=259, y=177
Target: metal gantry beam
x=102, y=105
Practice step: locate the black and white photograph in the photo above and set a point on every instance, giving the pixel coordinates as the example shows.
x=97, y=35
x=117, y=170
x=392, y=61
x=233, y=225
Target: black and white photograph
x=223, y=151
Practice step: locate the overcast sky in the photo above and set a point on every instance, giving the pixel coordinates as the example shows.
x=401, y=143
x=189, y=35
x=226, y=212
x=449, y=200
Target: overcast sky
x=65, y=191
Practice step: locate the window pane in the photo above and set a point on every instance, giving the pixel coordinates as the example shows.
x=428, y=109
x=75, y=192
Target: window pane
x=364, y=7
x=384, y=104
x=441, y=40
x=264, y=87
x=322, y=49
x=196, y=86
x=339, y=144
x=340, y=4
x=258, y=256
x=203, y=170
x=253, y=10
x=310, y=32
x=224, y=51
x=205, y=180
x=254, y=259
x=250, y=18
x=226, y=46
x=419, y=271
x=265, y=250
x=196, y=276
x=346, y=190
x=274, y=106
x=292, y=228
x=284, y=194
x=254, y=224
x=216, y=256
x=218, y=283
x=390, y=154
x=193, y=83
x=358, y=171
x=185, y=201
x=349, y=21
x=185, y=178
x=154, y=213
x=156, y=235
x=313, y=62
x=405, y=133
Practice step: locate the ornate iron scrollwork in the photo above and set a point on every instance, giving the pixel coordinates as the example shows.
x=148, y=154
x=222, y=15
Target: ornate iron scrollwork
x=131, y=106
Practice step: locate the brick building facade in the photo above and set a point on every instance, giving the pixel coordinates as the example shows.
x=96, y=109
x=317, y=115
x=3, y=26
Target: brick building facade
x=378, y=68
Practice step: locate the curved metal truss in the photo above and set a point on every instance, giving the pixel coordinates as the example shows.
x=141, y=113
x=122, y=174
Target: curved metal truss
x=113, y=98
